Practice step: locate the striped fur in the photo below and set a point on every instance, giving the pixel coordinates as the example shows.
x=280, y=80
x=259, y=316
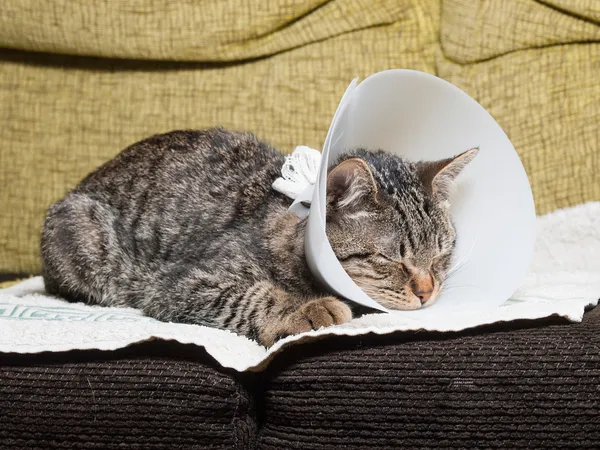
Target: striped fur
x=185, y=227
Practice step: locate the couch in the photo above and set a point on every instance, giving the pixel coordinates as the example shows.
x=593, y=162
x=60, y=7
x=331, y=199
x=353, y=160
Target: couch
x=79, y=81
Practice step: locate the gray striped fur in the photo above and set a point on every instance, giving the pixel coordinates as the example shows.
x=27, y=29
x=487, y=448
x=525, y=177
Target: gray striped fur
x=186, y=227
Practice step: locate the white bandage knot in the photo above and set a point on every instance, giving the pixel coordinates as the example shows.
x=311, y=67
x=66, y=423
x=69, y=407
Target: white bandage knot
x=298, y=171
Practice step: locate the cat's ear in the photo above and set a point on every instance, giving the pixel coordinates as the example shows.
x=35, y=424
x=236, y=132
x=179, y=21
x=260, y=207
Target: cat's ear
x=350, y=182
x=438, y=176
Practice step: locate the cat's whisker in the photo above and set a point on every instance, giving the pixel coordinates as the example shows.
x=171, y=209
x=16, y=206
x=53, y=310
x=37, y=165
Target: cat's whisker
x=449, y=275
x=464, y=286
x=456, y=272
x=339, y=137
x=462, y=261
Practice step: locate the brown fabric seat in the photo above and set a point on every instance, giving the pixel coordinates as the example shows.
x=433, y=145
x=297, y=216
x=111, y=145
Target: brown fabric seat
x=525, y=385
x=153, y=396
x=530, y=387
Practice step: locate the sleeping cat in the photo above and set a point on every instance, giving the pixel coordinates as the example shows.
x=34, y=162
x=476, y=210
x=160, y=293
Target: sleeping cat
x=186, y=227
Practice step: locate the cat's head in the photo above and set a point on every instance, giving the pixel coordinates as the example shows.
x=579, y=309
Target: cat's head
x=388, y=222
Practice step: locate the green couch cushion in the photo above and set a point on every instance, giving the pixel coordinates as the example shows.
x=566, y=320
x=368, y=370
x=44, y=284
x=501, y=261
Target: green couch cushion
x=206, y=30
x=63, y=116
x=524, y=61
x=477, y=30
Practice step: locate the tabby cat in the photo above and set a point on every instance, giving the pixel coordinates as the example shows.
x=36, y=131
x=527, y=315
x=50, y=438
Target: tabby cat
x=186, y=227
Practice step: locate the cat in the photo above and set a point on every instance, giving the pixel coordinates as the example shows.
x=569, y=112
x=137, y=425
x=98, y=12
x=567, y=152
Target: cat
x=186, y=227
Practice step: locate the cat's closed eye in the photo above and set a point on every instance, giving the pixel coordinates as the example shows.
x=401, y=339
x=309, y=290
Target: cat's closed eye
x=400, y=209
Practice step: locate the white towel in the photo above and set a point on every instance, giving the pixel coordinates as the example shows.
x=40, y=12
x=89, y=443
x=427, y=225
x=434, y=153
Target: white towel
x=564, y=279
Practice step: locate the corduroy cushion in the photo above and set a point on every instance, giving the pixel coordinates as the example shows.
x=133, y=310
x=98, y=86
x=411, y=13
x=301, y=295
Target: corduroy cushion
x=150, y=396
x=62, y=116
x=526, y=63
x=533, y=387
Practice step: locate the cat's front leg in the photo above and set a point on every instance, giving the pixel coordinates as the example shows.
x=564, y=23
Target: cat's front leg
x=310, y=315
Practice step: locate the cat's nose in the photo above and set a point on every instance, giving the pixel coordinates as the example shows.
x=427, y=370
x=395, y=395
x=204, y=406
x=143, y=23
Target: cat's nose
x=422, y=286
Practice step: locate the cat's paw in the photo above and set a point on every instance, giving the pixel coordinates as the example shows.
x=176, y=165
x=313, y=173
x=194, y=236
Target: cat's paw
x=323, y=312
x=315, y=314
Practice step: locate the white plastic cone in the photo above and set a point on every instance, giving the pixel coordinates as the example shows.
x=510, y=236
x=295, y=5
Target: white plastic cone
x=421, y=117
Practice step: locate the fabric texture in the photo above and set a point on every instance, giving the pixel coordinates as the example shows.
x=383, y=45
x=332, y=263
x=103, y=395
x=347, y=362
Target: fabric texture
x=523, y=388
x=206, y=30
x=535, y=66
x=564, y=279
x=63, y=116
x=10, y=280
x=152, y=396
x=477, y=30
x=277, y=68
